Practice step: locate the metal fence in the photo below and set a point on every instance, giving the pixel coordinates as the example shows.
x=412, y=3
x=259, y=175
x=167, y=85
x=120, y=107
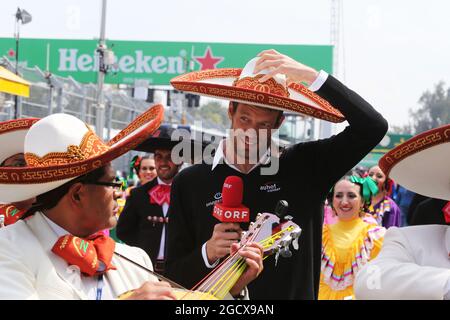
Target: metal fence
x=50, y=93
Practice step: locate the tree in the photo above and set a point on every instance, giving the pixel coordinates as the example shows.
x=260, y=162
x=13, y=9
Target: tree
x=435, y=110
x=215, y=112
x=405, y=129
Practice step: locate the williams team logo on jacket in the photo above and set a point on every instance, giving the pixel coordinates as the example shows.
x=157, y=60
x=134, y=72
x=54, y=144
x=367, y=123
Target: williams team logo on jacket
x=217, y=199
x=270, y=187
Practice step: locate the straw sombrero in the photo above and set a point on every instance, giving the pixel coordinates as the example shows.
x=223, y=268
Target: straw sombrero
x=60, y=147
x=241, y=85
x=422, y=163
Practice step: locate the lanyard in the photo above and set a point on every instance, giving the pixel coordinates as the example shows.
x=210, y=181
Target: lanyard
x=99, y=287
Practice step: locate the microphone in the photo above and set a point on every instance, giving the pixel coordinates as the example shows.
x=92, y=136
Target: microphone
x=231, y=208
x=446, y=211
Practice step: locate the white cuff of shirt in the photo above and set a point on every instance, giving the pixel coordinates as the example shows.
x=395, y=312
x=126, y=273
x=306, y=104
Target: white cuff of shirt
x=320, y=80
x=447, y=294
x=205, y=258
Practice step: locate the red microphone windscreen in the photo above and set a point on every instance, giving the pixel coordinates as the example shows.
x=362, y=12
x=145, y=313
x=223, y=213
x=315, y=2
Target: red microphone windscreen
x=232, y=192
x=446, y=211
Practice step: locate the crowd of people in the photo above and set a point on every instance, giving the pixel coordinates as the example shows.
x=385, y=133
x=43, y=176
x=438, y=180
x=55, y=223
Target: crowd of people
x=60, y=196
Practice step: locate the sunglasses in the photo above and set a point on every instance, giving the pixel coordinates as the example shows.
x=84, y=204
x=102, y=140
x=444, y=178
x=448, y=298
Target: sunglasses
x=117, y=185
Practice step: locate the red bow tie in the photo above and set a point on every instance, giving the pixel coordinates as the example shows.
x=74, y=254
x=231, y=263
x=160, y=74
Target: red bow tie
x=160, y=194
x=93, y=255
x=11, y=213
x=446, y=211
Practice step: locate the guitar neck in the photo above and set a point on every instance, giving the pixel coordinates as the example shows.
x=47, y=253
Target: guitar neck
x=220, y=282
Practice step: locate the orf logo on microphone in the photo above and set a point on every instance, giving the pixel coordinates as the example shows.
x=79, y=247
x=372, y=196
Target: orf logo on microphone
x=227, y=214
x=231, y=208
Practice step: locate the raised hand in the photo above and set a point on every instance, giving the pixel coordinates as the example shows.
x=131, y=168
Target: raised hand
x=277, y=63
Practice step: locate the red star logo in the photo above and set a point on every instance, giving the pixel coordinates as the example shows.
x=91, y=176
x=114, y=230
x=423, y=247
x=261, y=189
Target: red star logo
x=11, y=53
x=208, y=61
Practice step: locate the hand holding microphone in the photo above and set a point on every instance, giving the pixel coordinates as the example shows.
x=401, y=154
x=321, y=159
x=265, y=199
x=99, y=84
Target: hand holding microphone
x=230, y=212
x=224, y=235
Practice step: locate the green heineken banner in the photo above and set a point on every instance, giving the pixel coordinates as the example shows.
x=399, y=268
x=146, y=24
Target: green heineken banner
x=156, y=62
x=390, y=141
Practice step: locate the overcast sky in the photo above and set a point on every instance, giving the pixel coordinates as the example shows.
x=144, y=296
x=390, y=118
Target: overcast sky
x=394, y=50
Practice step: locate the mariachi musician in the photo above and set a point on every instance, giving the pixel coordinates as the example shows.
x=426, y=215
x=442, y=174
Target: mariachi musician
x=12, y=135
x=414, y=262
x=58, y=251
x=143, y=221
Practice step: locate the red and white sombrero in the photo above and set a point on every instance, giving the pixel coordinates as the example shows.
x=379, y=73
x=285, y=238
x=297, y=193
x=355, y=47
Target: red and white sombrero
x=422, y=164
x=12, y=136
x=60, y=147
x=241, y=85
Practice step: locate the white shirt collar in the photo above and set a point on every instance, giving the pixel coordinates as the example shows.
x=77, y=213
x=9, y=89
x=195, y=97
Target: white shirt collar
x=219, y=157
x=162, y=182
x=447, y=240
x=90, y=284
x=56, y=228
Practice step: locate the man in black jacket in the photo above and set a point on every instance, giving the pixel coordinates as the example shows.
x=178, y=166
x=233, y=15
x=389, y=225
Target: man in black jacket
x=145, y=216
x=306, y=172
x=429, y=211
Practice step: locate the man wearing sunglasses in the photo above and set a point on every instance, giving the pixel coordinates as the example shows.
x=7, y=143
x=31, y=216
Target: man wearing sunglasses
x=58, y=251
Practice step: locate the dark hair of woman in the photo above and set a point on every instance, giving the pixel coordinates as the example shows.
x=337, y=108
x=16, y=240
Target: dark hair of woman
x=136, y=162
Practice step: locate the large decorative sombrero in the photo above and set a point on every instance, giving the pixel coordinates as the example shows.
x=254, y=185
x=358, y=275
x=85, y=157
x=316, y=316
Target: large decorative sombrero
x=241, y=85
x=12, y=136
x=422, y=163
x=60, y=147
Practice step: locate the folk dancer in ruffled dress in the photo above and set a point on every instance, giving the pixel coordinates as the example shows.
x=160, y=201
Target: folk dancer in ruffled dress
x=383, y=208
x=351, y=242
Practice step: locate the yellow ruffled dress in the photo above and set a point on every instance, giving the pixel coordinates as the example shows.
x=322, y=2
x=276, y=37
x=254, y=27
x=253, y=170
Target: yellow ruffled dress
x=346, y=247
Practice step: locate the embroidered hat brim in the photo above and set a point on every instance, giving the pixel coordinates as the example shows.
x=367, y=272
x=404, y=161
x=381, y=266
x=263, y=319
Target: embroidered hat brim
x=17, y=184
x=219, y=83
x=12, y=136
x=421, y=164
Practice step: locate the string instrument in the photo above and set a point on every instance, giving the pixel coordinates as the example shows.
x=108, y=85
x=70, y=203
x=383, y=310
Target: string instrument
x=275, y=233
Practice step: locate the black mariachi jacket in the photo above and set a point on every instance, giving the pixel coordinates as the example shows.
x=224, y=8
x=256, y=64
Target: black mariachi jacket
x=134, y=226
